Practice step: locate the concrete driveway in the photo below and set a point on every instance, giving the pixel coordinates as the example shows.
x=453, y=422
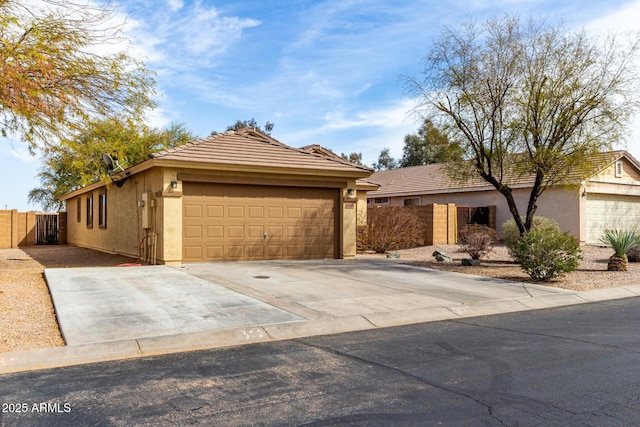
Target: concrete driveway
x=105, y=304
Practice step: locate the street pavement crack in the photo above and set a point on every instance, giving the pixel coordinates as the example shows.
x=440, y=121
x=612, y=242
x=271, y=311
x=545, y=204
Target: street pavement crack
x=453, y=390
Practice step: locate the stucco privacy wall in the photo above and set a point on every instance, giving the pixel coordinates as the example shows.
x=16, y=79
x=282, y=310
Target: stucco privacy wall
x=561, y=205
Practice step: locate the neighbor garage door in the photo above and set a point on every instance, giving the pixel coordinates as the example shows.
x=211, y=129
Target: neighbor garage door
x=610, y=211
x=251, y=222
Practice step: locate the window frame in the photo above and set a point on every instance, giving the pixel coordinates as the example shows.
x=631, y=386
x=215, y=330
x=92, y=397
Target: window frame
x=102, y=209
x=79, y=210
x=90, y=211
x=381, y=201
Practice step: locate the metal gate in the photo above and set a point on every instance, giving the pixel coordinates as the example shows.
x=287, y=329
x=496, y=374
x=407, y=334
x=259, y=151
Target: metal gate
x=47, y=229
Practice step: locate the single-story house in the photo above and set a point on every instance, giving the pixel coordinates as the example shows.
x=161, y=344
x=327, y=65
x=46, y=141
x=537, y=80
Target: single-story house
x=239, y=195
x=610, y=198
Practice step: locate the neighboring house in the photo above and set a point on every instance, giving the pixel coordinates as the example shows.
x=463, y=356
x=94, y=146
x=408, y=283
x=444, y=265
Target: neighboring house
x=610, y=198
x=363, y=186
x=234, y=196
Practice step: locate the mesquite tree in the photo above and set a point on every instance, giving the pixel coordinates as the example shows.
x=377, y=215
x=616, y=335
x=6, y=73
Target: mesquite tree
x=528, y=101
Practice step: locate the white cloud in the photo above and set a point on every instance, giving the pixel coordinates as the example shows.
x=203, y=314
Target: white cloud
x=185, y=36
x=624, y=19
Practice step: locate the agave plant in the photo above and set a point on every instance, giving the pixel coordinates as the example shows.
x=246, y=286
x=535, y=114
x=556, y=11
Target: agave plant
x=620, y=241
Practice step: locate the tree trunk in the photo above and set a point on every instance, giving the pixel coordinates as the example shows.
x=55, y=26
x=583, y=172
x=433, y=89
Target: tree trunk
x=617, y=263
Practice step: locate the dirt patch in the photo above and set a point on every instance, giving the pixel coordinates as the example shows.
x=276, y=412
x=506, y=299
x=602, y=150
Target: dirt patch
x=591, y=273
x=28, y=320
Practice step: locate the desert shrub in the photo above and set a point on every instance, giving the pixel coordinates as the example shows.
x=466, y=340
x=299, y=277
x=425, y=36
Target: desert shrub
x=547, y=253
x=633, y=254
x=620, y=241
x=390, y=228
x=511, y=234
x=477, y=240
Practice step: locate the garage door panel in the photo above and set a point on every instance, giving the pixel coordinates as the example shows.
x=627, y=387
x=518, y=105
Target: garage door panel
x=215, y=211
x=235, y=251
x=294, y=231
x=256, y=212
x=609, y=211
x=235, y=232
x=294, y=213
x=235, y=212
x=193, y=252
x=193, y=211
x=274, y=251
x=215, y=253
x=275, y=212
x=215, y=231
x=193, y=231
x=275, y=231
x=298, y=222
x=293, y=251
x=255, y=231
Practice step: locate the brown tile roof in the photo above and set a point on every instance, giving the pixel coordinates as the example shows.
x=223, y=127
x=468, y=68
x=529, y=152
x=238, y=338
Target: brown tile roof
x=250, y=147
x=434, y=178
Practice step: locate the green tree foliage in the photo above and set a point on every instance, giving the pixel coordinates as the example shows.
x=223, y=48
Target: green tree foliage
x=528, y=99
x=54, y=75
x=355, y=158
x=78, y=162
x=252, y=123
x=429, y=145
x=385, y=161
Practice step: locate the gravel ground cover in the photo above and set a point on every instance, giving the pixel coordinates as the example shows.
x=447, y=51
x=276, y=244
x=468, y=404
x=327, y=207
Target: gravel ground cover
x=591, y=273
x=27, y=318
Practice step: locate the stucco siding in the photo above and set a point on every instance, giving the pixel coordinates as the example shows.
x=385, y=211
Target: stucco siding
x=561, y=205
x=123, y=231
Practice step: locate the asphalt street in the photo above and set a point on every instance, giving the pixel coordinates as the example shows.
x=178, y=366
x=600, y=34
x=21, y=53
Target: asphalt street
x=577, y=365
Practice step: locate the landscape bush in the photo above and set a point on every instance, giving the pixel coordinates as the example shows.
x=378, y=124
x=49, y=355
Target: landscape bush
x=546, y=253
x=621, y=241
x=390, y=228
x=511, y=233
x=477, y=240
x=633, y=254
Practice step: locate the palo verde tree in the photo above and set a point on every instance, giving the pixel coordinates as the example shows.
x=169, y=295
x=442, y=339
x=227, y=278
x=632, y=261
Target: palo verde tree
x=77, y=161
x=528, y=99
x=56, y=74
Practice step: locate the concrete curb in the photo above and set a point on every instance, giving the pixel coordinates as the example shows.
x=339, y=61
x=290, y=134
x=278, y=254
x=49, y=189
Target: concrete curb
x=30, y=360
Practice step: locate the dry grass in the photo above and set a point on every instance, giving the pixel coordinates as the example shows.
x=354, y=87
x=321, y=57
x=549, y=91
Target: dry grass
x=28, y=320
x=591, y=273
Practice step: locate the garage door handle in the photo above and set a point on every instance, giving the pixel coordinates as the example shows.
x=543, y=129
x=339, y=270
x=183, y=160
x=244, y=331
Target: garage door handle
x=264, y=235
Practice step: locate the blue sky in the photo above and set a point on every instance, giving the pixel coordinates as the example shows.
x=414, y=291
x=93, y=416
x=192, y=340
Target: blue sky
x=325, y=72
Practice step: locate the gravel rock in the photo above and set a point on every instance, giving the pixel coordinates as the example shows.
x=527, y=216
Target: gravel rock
x=591, y=273
x=28, y=319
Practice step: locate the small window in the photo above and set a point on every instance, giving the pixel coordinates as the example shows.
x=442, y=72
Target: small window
x=102, y=209
x=619, y=169
x=90, y=211
x=411, y=202
x=79, y=209
x=369, y=202
x=381, y=201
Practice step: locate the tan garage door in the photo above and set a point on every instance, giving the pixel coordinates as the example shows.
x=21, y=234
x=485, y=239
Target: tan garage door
x=610, y=211
x=223, y=222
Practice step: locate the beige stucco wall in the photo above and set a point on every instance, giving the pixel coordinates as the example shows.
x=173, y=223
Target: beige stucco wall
x=561, y=205
x=124, y=231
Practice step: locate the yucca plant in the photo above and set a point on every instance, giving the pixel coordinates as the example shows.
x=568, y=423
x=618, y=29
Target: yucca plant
x=620, y=241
